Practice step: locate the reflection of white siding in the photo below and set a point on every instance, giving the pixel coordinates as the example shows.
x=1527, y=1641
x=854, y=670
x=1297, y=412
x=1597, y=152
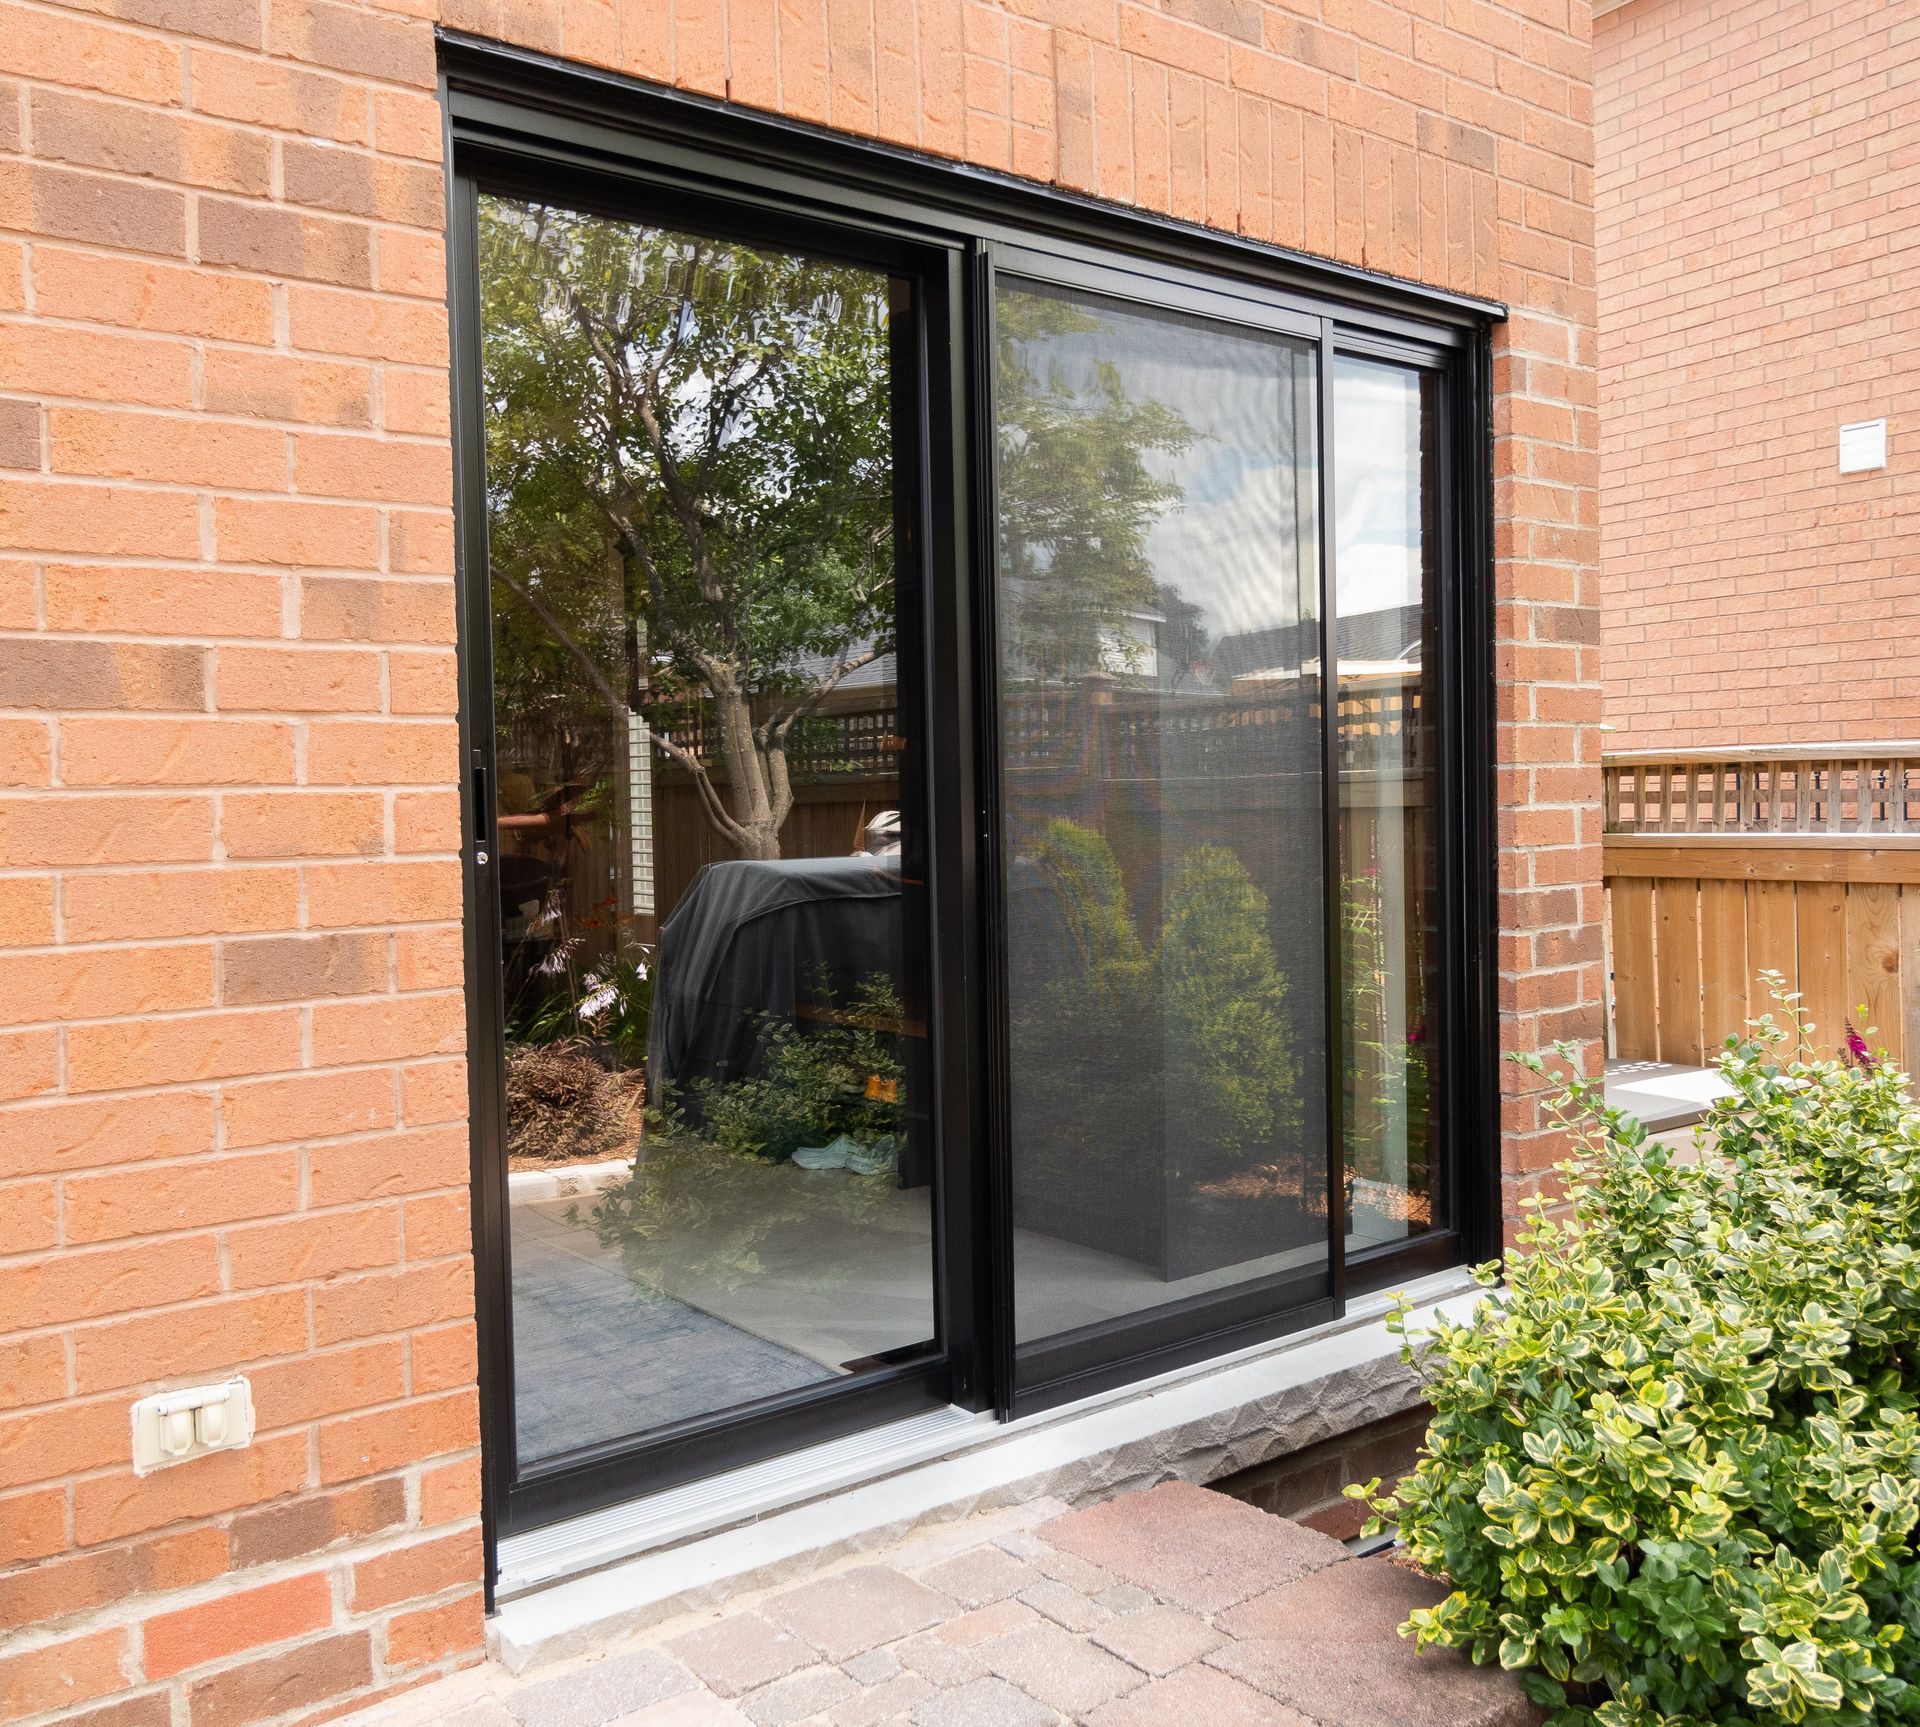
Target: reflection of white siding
x=640, y=814
x=1129, y=646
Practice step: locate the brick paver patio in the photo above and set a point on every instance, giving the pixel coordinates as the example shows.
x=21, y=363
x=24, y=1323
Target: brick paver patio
x=1172, y=1608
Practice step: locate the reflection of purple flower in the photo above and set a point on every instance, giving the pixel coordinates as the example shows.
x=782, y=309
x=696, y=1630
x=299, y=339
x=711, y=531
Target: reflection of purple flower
x=1417, y=1032
x=1857, y=1052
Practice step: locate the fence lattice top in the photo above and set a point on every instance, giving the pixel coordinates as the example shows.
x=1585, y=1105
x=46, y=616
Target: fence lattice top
x=1820, y=789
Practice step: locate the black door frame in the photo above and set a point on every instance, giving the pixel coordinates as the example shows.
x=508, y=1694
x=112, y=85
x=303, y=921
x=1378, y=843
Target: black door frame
x=521, y=121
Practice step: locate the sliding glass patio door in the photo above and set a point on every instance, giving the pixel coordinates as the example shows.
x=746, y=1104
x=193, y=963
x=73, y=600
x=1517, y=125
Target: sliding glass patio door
x=978, y=841
x=701, y=792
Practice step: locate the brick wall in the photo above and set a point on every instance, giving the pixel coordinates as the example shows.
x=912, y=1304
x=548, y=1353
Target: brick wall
x=1309, y=1485
x=232, y=1135
x=1758, y=216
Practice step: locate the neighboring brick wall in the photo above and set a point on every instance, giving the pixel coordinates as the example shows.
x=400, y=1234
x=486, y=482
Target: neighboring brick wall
x=228, y=885
x=1758, y=212
x=1309, y=1485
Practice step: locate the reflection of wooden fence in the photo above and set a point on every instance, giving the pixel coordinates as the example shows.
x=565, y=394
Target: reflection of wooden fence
x=1151, y=770
x=827, y=821
x=1805, y=862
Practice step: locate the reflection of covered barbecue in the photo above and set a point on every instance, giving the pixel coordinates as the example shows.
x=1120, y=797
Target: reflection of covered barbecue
x=787, y=938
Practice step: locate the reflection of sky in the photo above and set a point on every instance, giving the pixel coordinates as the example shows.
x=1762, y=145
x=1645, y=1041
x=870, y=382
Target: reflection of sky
x=1231, y=544
x=1376, y=428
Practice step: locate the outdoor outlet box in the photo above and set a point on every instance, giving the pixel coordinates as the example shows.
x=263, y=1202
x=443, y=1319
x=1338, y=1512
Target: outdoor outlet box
x=172, y=1426
x=1863, y=446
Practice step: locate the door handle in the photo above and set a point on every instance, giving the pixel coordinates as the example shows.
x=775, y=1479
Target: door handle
x=482, y=816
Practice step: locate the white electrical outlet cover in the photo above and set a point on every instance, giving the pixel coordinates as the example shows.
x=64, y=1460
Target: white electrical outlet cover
x=172, y=1426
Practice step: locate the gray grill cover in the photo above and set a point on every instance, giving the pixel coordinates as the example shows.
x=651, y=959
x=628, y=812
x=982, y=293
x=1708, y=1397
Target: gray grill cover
x=751, y=938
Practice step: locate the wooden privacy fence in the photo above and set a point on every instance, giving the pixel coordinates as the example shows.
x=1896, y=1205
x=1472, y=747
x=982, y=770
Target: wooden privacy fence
x=1804, y=861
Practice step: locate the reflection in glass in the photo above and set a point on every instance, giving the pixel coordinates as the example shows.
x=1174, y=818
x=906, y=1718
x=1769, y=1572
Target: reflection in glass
x=1386, y=546
x=1160, y=722
x=708, y=847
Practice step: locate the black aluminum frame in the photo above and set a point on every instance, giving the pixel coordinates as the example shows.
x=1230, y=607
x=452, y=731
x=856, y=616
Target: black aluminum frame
x=520, y=122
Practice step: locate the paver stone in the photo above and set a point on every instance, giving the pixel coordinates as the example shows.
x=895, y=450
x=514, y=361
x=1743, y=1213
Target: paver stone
x=741, y=1652
x=982, y=1577
x=1330, y=1646
x=797, y=1696
x=599, y=1691
x=984, y=1703
x=1195, y=1549
x=1197, y=1697
x=848, y=1614
x=1062, y=1670
x=1159, y=1639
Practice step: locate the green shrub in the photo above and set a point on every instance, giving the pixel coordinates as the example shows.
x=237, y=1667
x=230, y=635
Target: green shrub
x=1674, y=1468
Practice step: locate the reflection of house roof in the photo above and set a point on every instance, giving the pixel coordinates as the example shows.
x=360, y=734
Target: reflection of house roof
x=874, y=679
x=1382, y=636
x=1351, y=671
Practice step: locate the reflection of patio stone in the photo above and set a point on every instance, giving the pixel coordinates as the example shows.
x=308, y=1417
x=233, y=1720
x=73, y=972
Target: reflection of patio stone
x=596, y=1357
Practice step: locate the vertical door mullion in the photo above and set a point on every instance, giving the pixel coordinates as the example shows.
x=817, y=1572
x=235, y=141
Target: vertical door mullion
x=1334, y=1015
x=940, y=465
x=486, y=1078
x=995, y=1004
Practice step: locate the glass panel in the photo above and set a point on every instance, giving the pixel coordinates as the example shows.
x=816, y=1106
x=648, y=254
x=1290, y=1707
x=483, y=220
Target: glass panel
x=1159, y=661
x=709, y=839
x=1386, y=545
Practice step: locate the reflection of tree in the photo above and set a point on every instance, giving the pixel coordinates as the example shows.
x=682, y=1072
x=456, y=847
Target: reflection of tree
x=691, y=496
x=1183, y=640
x=1077, y=497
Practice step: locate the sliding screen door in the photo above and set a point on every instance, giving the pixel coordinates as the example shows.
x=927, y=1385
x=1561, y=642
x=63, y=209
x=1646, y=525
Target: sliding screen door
x=1164, y=843
x=707, y=829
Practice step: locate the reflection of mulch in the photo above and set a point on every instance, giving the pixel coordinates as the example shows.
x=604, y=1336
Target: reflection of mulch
x=1267, y=1181
x=1395, y=1203
x=1288, y=1181
x=564, y=1107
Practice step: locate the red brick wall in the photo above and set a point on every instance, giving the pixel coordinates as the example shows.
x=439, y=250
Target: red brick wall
x=230, y=985
x=1758, y=216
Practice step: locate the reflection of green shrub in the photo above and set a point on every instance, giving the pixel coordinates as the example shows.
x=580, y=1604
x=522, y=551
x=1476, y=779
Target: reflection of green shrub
x=1383, y=1082
x=844, y=1076
x=1231, y=1079
x=1193, y=1031
x=1084, y=1022
x=1108, y=964
x=1673, y=1474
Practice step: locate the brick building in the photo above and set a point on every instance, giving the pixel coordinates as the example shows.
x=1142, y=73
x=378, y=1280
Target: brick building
x=1757, y=219
x=250, y=930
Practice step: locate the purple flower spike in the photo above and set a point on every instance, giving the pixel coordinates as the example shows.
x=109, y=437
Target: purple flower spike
x=1857, y=1052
